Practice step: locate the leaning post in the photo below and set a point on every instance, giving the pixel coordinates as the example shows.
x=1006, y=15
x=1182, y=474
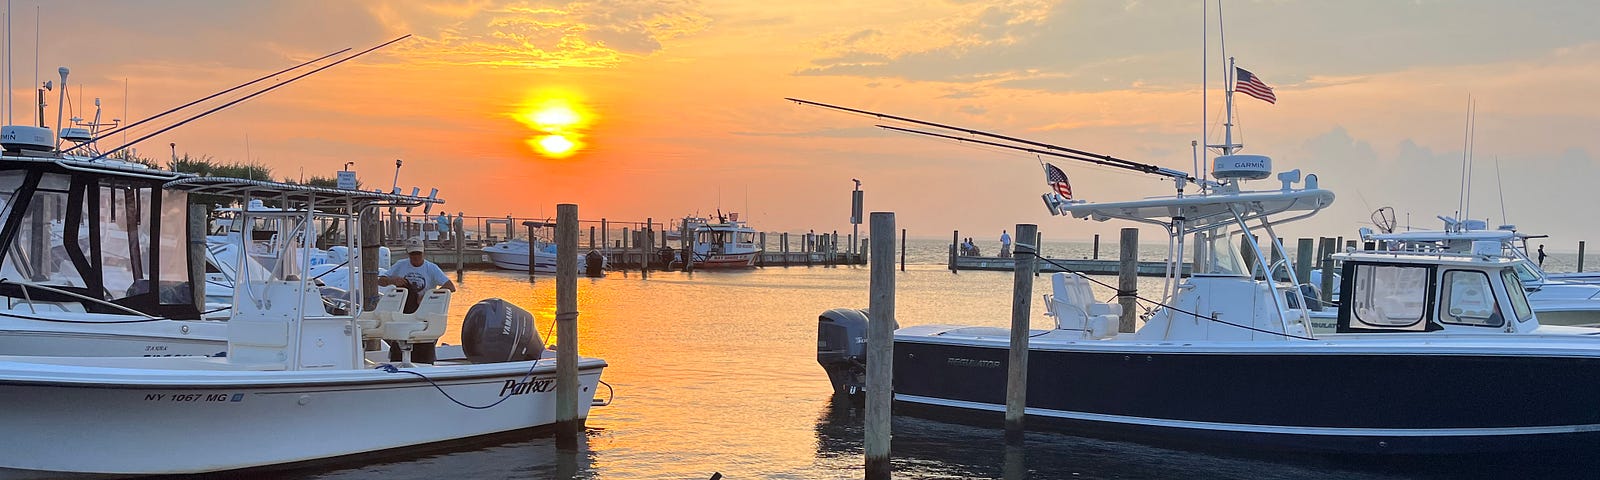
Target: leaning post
x=569, y=426
x=880, y=346
x=1023, y=260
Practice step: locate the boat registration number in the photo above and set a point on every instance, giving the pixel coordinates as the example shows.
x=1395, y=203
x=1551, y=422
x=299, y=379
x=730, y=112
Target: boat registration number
x=193, y=397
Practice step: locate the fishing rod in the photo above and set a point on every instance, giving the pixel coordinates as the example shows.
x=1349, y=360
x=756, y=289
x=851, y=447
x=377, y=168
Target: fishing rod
x=1158, y=171
x=1109, y=160
x=214, y=95
x=246, y=97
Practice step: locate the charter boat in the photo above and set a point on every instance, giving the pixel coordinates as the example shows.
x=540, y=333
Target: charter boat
x=727, y=243
x=296, y=384
x=1230, y=356
x=1431, y=353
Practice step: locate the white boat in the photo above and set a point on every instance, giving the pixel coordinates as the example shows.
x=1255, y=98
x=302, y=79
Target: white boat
x=1558, y=302
x=513, y=254
x=295, y=385
x=728, y=243
x=1433, y=352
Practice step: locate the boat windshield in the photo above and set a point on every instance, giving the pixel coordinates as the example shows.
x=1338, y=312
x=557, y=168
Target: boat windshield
x=1222, y=255
x=1526, y=273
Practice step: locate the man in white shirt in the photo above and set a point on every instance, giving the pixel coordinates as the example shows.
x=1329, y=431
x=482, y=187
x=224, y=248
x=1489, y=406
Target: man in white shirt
x=419, y=276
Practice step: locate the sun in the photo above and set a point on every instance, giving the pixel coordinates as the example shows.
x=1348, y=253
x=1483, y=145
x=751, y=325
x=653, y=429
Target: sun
x=554, y=146
x=558, y=120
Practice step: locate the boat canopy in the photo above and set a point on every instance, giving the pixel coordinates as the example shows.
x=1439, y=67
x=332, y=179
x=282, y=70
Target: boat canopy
x=1204, y=212
x=241, y=187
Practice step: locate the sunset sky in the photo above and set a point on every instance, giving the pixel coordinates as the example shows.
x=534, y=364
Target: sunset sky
x=674, y=108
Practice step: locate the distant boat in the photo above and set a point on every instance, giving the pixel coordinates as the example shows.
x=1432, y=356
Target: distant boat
x=729, y=243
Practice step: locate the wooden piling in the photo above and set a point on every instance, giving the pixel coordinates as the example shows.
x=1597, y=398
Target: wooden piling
x=605, y=235
x=591, y=237
x=955, y=248
x=784, y=237
x=623, y=249
x=761, y=258
x=532, y=246
x=1303, y=255
x=1326, y=249
x=1017, y=364
x=880, y=347
x=197, y=253
x=647, y=247
x=1096, y=246
x=1580, y=255
x=461, y=249
x=371, y=239
x=1128, y=279
x=902, y=249
x=1038, y=246
x=569, y=426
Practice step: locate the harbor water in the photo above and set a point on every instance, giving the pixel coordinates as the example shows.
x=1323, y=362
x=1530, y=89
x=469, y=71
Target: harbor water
x=716, y=372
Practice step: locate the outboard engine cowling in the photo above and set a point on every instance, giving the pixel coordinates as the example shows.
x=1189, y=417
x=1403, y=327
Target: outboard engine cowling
x=497, y=331
x=842, y=349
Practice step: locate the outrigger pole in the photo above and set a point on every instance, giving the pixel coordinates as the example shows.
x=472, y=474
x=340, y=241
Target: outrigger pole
x=1075, y=154
x=246, y=97
x=208, y=97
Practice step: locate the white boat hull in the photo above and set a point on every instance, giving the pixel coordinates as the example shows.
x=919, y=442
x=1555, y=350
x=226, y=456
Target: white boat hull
x=66, y=421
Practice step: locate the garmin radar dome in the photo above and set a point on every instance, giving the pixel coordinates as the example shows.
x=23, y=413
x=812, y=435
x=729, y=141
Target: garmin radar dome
x=1241, y=167
x=496, y=331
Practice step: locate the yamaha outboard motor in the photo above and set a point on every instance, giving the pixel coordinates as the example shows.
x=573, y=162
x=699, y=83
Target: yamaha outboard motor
x=497, y=331
x=842, y=349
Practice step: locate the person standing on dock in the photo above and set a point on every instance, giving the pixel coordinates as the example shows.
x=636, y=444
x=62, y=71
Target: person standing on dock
x=1005, y=244
x=444, y=229
x=1541, y=256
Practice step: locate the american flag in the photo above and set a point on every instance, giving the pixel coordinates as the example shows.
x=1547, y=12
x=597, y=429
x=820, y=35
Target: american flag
x=1251, y=85
x=1058, y=181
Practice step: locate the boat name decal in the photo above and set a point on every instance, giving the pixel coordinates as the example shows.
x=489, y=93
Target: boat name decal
x=532, y=386
x=967, y=362
x=193, y=397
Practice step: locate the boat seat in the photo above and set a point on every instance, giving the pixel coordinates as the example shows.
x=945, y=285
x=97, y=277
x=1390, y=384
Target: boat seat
x=1073, y=305
x=423, y=327
x=391, y=300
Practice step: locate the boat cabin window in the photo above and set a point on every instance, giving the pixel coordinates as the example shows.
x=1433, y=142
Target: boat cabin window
x=1389, y=296
x=1519, y=298
x=747, y=237
x=1468, y=299
x=125, y=239
x=39, y=253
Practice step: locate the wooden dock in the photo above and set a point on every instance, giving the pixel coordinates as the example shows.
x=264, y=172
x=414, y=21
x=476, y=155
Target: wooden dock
x=1048, y=265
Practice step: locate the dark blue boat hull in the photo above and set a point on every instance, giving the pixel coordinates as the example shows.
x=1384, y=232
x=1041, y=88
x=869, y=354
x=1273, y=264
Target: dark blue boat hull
x=1336, y=403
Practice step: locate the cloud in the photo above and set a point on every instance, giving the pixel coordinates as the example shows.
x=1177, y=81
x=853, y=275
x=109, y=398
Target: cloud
x=543, y=34
x=1097, y=46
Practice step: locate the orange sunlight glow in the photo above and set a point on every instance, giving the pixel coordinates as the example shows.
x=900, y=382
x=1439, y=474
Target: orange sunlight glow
x=558, y=121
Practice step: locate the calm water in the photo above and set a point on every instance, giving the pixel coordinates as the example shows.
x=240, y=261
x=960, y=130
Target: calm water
x=717, y=372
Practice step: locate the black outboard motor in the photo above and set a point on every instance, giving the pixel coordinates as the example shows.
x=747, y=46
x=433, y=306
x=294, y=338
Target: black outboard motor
x=594, y=264
x=497, y=331
x=842, y=349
